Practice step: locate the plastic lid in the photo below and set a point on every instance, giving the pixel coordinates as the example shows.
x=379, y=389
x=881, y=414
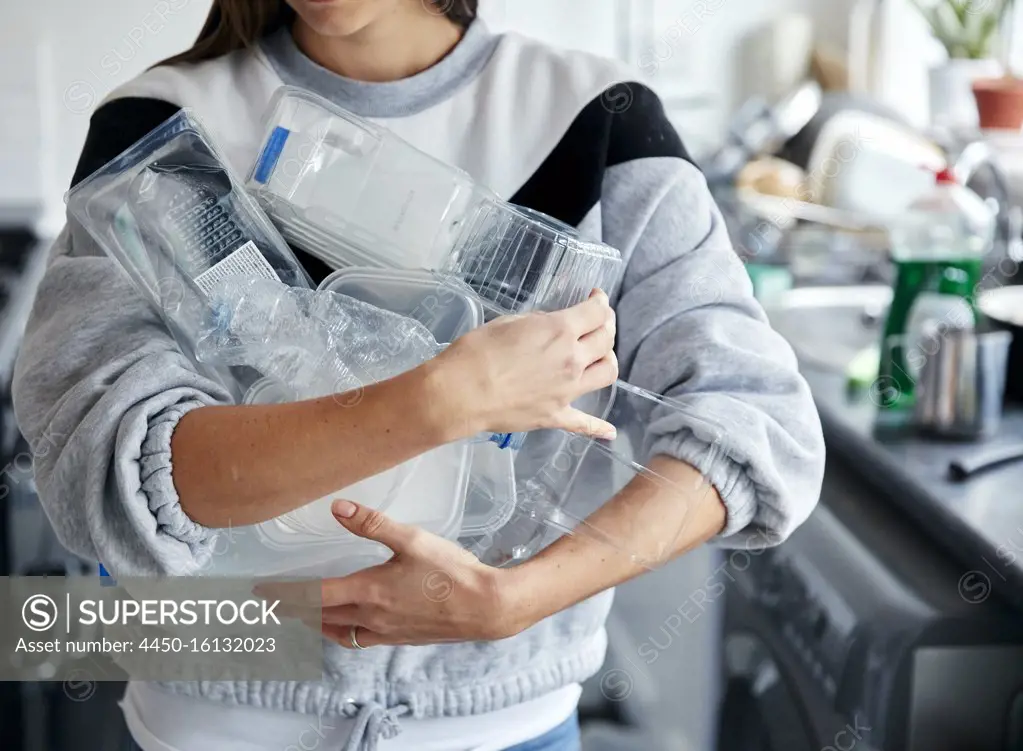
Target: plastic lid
x=446, y=306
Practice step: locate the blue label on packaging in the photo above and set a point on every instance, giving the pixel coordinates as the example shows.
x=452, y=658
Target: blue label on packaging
x=107, y=579
x=271, y=153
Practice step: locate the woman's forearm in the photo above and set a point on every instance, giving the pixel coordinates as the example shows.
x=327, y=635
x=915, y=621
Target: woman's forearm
x=240, y=465
x=645, y=516
x=234, y=466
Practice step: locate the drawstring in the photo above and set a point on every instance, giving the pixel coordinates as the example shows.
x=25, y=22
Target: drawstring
x=373, y=722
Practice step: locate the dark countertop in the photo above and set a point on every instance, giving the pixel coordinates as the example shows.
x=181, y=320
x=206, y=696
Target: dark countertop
x=979, y=521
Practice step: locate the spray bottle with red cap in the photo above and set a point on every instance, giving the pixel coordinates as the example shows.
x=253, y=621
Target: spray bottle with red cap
x=938, y=247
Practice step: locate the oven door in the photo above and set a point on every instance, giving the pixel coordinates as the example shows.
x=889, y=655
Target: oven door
x=761, y=710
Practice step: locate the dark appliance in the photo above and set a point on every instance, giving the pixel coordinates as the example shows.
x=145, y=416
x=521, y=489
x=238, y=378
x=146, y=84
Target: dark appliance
x=858, y=633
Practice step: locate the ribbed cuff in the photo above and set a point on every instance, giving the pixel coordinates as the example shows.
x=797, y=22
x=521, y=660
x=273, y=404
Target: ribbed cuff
x=156, y=475
x=729, y=478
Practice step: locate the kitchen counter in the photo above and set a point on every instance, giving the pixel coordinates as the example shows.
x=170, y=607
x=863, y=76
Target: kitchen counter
x=979, y=521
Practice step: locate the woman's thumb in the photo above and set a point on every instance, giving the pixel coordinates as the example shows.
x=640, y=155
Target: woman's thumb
x=577, y=421
x=371, y=524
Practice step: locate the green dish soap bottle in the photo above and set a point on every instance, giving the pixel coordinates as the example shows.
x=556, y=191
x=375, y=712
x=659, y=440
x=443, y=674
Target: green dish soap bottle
x=938, y=248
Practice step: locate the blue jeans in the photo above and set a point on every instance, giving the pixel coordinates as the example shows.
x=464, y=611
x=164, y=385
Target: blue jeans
x=565, y=737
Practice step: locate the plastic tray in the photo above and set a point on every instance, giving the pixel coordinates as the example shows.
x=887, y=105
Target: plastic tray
x=449, y=309
x=354, y=192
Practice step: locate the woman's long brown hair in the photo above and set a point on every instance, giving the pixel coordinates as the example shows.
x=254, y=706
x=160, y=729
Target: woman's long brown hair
x=236, y=24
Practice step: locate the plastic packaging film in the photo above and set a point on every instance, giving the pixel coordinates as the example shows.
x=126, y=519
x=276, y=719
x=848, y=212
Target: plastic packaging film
x=354, y=194
x=316, y=343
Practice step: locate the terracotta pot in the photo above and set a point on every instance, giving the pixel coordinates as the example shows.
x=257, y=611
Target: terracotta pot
x=951, y=91
x=999, y=102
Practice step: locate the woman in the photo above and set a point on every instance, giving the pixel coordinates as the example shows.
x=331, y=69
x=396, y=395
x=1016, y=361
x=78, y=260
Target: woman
x=142, y=458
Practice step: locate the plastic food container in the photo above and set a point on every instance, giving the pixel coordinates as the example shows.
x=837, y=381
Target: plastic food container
x=308, y=540
x=490, y=498
x=449, y=309
x=171, y=212
x=268, y=391
x=454, y=488
x=354, y=194
x=446, y=307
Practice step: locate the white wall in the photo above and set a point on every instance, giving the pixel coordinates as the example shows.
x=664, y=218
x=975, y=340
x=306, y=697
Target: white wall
x=82, y=50
x=578, y=24
x=66, y=55
x=697, y=53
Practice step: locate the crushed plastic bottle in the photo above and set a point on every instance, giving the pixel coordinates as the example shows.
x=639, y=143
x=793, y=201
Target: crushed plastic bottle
x=318, y=343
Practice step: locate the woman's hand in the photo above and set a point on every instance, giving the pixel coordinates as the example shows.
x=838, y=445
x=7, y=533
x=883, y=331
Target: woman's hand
x=431, y=591
x=521, y=373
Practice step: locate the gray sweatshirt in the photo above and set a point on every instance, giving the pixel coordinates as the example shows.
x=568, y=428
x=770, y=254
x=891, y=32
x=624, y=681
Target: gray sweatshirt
x=100, y=384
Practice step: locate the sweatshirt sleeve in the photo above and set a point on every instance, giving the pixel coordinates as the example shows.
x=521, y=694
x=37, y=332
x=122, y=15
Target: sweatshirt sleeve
x=690, y=328
x=99, y=387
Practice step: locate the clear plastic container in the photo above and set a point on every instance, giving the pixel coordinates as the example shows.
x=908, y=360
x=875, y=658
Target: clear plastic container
x=563, y=481
x=179, y=222
x=445, y=306
x=449, y=309
x=490, y=498
x=269, y=391
x=429, y=491
x=354, y=194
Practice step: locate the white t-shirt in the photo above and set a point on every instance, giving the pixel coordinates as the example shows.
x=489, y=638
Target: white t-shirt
x=161, y=721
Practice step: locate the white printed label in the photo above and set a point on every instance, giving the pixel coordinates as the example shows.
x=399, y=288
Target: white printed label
x=247, y=261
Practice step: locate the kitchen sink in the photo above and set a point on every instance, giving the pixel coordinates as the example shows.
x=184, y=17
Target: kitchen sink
x=829, y=326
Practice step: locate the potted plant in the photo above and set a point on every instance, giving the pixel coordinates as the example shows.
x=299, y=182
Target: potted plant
x=969, y=32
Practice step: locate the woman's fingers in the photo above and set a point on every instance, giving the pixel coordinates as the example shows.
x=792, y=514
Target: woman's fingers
x=587, y=316
x=344, y=615
x=601, y=374
x=599, y=342
x=342, y=634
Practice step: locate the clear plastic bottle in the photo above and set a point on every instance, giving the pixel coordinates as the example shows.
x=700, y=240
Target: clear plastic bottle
x=938, y=248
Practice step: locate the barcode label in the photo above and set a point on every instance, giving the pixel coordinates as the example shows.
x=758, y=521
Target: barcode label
x=247, y=261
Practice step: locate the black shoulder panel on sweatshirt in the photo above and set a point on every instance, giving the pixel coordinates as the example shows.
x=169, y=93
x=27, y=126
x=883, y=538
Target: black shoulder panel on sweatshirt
x=626, y=122
x=117, y=125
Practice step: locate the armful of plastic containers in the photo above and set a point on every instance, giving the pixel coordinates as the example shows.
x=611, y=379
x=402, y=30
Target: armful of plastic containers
x=328, y=180
x=240, y=306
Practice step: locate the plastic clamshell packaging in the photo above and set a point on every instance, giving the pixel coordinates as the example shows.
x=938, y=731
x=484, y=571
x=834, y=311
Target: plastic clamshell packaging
x=563, y=481
x=354, y=194
x=173, y=214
